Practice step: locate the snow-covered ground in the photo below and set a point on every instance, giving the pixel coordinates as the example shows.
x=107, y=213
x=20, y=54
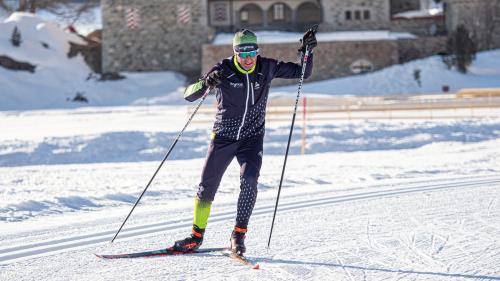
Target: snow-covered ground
x=401, y=199
x=370, y=200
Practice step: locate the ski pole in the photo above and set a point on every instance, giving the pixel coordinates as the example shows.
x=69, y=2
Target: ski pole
x=306, y=57
x=164, y=159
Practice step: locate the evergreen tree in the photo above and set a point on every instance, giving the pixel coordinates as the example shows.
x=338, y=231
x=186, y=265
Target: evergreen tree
x=461, y=49
x=15, y=38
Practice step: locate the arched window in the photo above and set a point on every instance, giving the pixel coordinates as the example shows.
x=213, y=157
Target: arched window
x=250, y=14
x=307, y=14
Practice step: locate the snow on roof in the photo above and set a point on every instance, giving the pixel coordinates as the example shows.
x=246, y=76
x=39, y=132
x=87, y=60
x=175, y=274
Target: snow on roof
x=269, y=37
x=432, y=10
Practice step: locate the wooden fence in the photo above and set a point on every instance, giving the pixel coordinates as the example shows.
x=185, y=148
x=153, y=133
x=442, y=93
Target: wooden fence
x=462, y=104
x=470, y=103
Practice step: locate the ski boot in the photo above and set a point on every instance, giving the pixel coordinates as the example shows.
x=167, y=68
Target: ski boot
x=238, y=240
x=192, y=242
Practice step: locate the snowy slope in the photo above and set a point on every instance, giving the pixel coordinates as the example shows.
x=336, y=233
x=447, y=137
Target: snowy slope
x=57, y=78
x=399, y=79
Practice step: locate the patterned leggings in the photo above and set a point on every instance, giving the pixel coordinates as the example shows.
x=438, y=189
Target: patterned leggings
x=221, y=152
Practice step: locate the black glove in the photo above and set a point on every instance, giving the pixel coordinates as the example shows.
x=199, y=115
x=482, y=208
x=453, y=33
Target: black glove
x=309, y=41
x=213, y=79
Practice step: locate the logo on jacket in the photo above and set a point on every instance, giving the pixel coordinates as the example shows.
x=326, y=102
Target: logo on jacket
x=257, y=86
x=236, y=85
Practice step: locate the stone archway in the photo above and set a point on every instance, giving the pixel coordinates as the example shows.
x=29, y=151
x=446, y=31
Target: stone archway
x=307, y=14
x=250, y=16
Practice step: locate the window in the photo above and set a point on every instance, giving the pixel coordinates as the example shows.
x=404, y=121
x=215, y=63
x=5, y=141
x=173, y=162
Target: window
x=357, y=15
x=279, y=11
x=366, y=14
x=348, y=15
x=244, y=16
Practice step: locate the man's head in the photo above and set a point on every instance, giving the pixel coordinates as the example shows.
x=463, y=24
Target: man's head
x=245, y=48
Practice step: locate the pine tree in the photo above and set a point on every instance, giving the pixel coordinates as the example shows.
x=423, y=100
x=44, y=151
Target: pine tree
x=15, y=38
x=461, y=49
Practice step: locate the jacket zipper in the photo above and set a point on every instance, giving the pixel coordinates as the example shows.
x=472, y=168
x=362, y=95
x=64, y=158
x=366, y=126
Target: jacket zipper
x=246, y=108
x=251, y=87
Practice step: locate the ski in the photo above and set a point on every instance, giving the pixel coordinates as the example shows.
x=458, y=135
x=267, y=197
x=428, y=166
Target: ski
x=158, y=253
x=241, y=259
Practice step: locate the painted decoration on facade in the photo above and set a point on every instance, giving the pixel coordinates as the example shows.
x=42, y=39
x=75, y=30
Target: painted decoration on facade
x=220, y=12
x=133, y=17
x=183, y=14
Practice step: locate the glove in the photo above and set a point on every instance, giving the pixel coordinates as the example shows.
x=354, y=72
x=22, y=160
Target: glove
x=213, y=79
x=309, y=41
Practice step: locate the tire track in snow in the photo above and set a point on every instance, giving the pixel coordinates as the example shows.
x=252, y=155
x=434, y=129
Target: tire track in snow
x=13, y=254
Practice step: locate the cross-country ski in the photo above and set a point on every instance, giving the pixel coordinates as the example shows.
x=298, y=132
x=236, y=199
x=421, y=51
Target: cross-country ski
x=158, y=253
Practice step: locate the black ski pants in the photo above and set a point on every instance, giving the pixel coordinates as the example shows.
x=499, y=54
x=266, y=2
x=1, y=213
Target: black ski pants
x=221, y=152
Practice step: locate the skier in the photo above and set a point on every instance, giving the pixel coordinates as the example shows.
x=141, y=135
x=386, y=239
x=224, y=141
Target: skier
x=242, y=85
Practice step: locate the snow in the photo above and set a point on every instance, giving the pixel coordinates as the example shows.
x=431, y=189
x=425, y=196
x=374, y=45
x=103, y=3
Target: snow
x=392, y=198
x=58, y=79
x=483, y=73
x=66, y=15
x=372, y=198
x=428, y=8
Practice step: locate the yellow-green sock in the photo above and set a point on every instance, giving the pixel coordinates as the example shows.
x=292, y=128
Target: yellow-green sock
x=201, y=212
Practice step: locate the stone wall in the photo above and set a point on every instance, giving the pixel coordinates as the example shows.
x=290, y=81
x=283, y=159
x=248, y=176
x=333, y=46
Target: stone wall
x=335, y=15
x=411, y=49
x=336, y=59
x=429, y=26
x=155, y=39
x=332, y=59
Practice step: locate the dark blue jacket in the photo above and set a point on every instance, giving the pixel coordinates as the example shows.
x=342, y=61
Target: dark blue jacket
x=242, y=95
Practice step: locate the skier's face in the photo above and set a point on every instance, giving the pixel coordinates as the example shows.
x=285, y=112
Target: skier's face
x=247, y=59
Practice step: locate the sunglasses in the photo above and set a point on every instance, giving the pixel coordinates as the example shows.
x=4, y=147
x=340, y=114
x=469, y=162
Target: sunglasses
x=248, y=54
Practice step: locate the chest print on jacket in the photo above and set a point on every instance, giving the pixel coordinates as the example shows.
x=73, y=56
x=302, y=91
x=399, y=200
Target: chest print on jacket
x=236, y=85
x=257, y=86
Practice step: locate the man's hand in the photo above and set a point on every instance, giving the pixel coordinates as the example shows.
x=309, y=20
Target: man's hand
x=213, y=79
x=309, y=40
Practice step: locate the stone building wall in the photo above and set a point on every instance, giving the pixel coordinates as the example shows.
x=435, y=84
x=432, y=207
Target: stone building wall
x=151, y=35
x=336, y=59
x=412, y=49
x=335, y=18
x=430, y=26
x=332, y=59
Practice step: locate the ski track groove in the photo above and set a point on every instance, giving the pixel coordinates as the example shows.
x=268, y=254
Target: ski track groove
x=13, y=254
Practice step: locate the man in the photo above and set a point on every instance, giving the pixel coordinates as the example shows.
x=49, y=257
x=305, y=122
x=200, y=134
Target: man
x=242, y=85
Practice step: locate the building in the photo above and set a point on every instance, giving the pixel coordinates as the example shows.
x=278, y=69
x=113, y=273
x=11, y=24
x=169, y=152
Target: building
x=159, y=35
